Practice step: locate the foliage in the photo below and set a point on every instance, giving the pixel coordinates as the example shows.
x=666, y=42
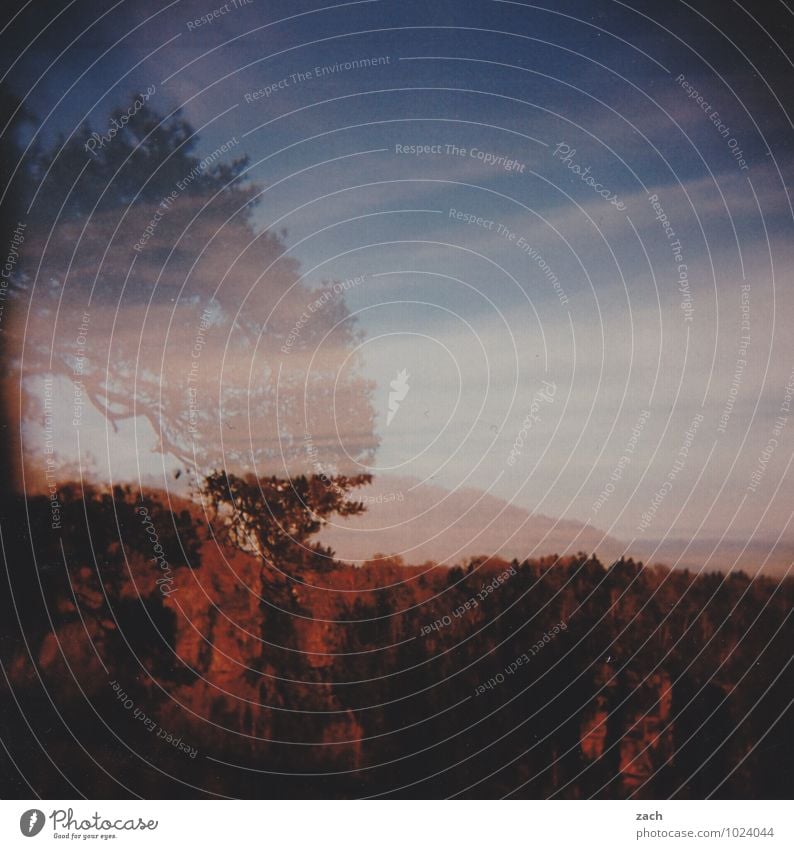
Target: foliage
x=274, y=517
x=158, y=261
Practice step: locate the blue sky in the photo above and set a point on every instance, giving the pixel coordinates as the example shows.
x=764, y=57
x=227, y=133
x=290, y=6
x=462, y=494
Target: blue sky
x=470, y=314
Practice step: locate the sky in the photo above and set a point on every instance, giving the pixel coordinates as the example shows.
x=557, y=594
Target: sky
x=584, y=274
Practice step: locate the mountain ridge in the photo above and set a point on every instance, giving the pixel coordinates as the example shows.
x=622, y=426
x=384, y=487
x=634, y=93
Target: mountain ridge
x=421, y=521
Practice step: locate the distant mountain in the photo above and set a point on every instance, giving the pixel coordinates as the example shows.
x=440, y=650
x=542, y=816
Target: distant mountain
x=424, y=522
x=704, y=554
x=427, y=522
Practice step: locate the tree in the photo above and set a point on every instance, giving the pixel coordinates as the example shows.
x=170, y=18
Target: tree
x=275, y=518
x=156, y=293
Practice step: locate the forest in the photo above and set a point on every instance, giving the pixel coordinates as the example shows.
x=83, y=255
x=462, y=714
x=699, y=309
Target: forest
x=308, y=677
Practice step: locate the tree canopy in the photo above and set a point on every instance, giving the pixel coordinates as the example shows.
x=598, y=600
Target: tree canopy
x=152, y=285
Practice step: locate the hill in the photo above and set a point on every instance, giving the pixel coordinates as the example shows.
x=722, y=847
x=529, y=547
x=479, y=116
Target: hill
x=421, y=522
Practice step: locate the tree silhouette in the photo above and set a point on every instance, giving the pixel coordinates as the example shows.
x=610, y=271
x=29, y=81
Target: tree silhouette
x=274, y=518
